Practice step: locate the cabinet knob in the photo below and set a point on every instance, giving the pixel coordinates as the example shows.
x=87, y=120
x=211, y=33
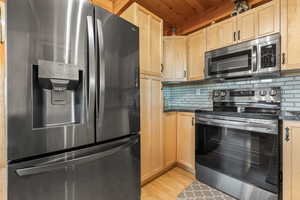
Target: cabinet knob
x=287, y=134
x=239, y=35
x=193, y=121
x=234, y=36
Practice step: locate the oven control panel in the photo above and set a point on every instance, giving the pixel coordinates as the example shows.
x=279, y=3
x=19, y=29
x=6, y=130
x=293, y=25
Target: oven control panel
x=267, y=95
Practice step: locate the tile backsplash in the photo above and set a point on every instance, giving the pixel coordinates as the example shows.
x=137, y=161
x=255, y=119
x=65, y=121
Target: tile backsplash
x=199, y=95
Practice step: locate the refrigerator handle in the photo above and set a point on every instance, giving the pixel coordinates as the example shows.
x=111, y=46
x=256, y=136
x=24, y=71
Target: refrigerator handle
x=91, y=75
x=48, y=167
x=101, y=99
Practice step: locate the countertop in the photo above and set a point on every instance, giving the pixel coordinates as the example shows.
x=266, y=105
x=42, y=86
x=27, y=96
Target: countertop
x=285, y=115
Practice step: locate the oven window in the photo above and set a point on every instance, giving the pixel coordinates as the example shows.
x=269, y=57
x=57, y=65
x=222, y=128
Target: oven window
x=248, y=156
x=230, y=63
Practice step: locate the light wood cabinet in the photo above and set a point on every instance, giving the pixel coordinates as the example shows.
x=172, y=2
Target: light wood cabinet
x=186, y=140
x=213, y=37
x=175, y=58
x=268, y=18
x=151, y=131
x=247, y=26
x=170, y=138
x=290, y=33
x=258, y=22
x=196, y=44
x=227, y=32
x=291, y=160
x=151, y=32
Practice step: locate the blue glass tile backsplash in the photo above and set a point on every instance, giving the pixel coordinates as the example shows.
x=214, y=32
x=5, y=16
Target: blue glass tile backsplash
x=199, y=96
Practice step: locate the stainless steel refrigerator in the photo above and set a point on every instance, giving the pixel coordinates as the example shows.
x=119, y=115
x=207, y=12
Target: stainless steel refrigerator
x=73, y=116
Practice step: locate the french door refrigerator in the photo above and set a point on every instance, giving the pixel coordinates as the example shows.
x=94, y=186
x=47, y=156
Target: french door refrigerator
x=72, y=102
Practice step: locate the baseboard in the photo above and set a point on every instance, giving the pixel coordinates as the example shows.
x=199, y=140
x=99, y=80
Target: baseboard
x=163, y=171
x=186, y=168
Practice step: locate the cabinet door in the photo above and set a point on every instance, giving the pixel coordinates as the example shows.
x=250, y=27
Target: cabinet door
x=268, y=18
x=186, y=140
x=291, y=160
x=175, y=53
x=156, y=45
x=290, y=15
x=143, y=19
x=227, y=32
x=247, y=25
x=130, y=14
x=196, y=53
x=156, y=131
x=213, y=37
x=170, y=138
x=145, y=89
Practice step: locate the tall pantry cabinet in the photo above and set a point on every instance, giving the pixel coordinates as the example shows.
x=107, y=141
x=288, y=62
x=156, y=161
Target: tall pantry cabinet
x=151, y=31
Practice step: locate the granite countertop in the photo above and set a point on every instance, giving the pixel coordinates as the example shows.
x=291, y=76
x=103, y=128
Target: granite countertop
x=285, y=115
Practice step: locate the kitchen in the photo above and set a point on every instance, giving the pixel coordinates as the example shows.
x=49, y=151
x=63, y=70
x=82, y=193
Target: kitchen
x=218, y=107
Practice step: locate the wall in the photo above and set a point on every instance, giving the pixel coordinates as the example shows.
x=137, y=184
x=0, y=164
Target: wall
x=199, y=96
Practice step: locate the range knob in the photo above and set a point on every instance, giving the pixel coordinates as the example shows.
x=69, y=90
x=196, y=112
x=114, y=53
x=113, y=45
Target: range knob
x=273, y=92
x=263, y=93
x=223, y=93
x=216, y=94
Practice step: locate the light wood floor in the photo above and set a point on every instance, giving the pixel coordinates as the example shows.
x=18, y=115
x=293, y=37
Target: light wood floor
x=167, y=186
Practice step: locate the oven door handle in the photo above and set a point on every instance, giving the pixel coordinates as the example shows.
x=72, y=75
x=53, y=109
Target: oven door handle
x=249, y=126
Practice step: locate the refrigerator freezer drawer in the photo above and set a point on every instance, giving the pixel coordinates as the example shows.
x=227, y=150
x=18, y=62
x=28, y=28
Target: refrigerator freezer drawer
x=106, y=172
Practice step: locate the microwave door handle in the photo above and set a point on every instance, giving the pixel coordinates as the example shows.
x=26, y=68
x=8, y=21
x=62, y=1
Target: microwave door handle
x=254, y=59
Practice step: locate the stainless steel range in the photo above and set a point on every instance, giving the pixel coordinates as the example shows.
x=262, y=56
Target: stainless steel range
x=238, y=143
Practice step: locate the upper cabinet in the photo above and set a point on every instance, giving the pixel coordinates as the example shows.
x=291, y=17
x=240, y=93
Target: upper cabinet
x=247, y=26
x=151, y=31
x=196, y=44
x=290, y=33
x=213, y=37
x=268, y=18
x=227, y=32
x=175, y=61
x=252, y=24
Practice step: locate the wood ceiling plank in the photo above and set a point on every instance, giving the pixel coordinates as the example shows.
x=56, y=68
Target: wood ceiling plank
x=195, y=4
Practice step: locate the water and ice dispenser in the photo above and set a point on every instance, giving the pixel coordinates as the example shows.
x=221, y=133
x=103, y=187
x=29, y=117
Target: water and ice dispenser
x=57, y=94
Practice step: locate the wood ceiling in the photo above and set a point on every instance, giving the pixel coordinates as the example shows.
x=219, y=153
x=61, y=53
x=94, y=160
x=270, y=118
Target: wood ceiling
x=190, y=15
x=185, y=15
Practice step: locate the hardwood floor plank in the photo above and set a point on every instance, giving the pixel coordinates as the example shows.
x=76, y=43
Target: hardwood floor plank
x=167, y=186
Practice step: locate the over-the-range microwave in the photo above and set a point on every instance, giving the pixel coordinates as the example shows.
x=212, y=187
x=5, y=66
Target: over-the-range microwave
x=246, y=59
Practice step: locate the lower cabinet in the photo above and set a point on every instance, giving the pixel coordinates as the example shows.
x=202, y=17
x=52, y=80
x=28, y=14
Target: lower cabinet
x=151, y=130
x=291, y=160
x=186, y=140
x=170, y=138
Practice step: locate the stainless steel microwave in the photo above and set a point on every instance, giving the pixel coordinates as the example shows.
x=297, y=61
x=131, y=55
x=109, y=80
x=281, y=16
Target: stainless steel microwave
x=250, y=58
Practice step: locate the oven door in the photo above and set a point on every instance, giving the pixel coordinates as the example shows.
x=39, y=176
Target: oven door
x=226, y=63
x=244, y=150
